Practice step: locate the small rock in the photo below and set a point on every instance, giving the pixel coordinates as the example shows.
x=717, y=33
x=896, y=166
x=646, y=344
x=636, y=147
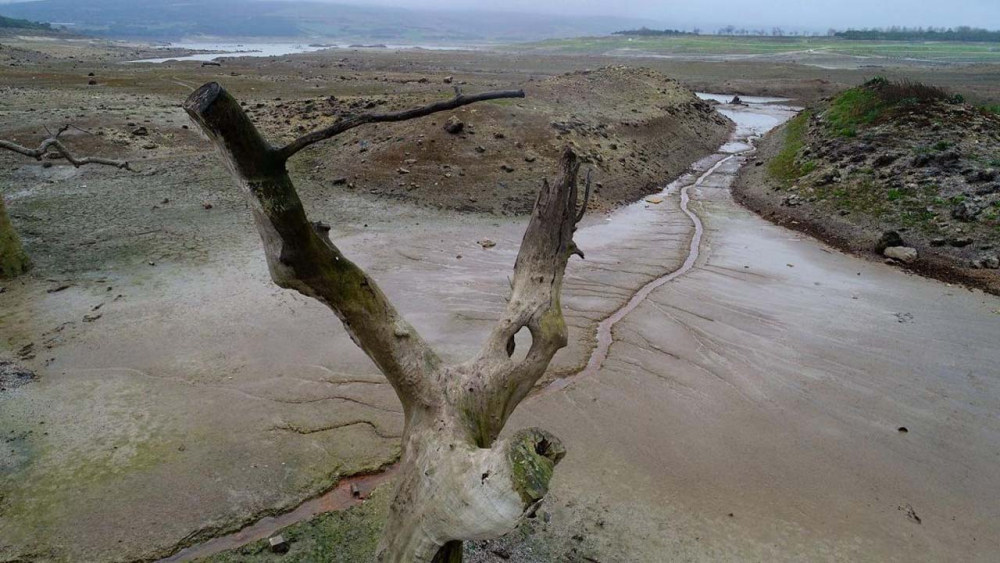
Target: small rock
x=965, y=211
x=355, y=490
x=506, y=167
x=339, y=181
x=448, y=79
x=403, y=170
x=140, y=131
x=530, y=158
x=278, y=544
x=149, y=146
x=888, y=239
x=454, y=125
x=487, y=243
x=992, y=263
x=207, y=205
x=960, y=242
x=904, y=254
x=91, y=82
x=480, y=149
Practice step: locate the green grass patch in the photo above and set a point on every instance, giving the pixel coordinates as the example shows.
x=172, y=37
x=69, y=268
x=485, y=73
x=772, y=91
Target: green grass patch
x=785, y=166
x=854, y=108
x=874, y=100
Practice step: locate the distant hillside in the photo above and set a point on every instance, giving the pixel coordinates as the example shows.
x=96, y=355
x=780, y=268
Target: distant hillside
x=157, y=19
x=10, y=23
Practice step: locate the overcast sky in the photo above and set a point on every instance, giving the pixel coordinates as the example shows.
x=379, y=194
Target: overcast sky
x=813, y=14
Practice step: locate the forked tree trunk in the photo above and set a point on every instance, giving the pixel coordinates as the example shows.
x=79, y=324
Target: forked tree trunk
x=13, y=260
x=457, y=481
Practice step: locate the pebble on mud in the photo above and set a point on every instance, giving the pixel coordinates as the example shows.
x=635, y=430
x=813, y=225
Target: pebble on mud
x=904, y=254
x=454, y=125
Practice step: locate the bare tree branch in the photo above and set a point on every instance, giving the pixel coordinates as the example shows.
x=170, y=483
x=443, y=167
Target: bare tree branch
x=456, y=481
x=534, y=303
x=300, y=254
x=354, y=121
x=53, y=142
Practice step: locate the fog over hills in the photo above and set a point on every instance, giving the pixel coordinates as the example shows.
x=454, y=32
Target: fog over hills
x=157, y=19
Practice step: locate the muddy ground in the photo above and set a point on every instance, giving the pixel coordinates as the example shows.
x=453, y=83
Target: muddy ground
x=180, y=395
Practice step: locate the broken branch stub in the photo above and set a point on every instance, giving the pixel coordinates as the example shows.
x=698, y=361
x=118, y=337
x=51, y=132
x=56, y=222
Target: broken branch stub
x=456, y=481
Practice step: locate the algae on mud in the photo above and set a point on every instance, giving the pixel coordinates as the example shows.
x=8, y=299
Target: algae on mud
x=13, y=260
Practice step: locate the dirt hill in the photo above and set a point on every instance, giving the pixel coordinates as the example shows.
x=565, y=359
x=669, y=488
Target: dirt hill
x=635, y=128
x=898, y=169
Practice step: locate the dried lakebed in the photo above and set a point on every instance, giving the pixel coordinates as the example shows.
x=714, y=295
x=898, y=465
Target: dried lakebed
x=747, y=410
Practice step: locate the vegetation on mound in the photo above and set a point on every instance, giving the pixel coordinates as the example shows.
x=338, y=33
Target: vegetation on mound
x=786, y=166
x=899, y=156
x=877, y=99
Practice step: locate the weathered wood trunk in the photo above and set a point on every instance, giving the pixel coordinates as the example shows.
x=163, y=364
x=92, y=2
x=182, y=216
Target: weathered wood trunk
x=457, y=480
x=13, y=260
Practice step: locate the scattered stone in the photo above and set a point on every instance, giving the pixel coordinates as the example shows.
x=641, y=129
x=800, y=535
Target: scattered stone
x=965, y=211
x=654, y=199
x=454, y=125
x=487, y=243
x=480, y=149
x=140, y=131
x=150, y=146
x=960, y=242
x=904, y=254
x=355, y=490
x=403, y=170
x=506, y=167
x=791, y=201
x=530, y=158
x=207, y=205
x=278, y=544
x=339, y=181
x=13, y=376
x=92, y=318
x=59, y=288
x=448, y=79
x=888, y=238
x=92, y=82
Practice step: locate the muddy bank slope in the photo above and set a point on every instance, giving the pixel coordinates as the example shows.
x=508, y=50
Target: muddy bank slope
x=635, y=127
x=896, y=171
